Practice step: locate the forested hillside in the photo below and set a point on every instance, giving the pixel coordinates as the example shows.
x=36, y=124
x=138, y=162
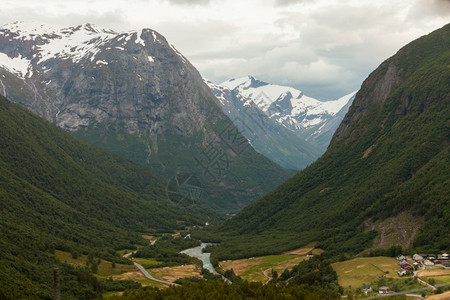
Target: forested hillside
x=389, y=156
x=59, y=193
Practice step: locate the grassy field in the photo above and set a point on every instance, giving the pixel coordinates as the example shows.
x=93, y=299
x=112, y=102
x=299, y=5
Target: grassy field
x=252, y=269
x=304, y=250
x=137, y=276
x=173, y=273
x=364, y=270
x=439, y=275
x=443, y=296
x=105, y=268
x=146, y=261
x=66, y=257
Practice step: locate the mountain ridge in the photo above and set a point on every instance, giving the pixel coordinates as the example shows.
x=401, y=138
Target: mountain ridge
x=388, y=157
x=134, y=94
x=294, y=129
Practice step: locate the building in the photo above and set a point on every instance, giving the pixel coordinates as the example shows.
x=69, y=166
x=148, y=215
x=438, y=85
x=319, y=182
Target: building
x=401, y=257
x=406, y=266
x=417, y=257
x=367, y=289
x=384, y=290
x=427, y=262
x=402, y=272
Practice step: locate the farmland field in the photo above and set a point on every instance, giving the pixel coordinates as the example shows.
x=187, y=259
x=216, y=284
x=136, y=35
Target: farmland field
x=252, y=269
x=173, y=273
x=364, y=270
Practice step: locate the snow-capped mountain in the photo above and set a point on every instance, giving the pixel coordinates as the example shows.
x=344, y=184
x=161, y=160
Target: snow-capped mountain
x=134, y=94
x=267, y=136
x=313, y=120
x=50, y=42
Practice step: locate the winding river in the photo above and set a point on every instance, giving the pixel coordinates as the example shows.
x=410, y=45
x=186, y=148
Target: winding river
x=204, y=257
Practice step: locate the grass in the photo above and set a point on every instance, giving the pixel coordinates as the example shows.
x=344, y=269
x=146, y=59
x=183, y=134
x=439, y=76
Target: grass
x=146, y=261
x=124, y=251
x=138, y=277
x=437, y=279
x=444, y=296
x=150, y=238
x=439, y=275
x=173, y=273
x=105, y=268
x=302, y=251
x=64, y=256
x=252, y=269
x=108, y=295
x=364, y=270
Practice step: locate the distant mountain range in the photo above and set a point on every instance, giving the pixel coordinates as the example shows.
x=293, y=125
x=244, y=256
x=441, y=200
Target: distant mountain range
x=388, y=163
x=134, y=94
x=264, y=111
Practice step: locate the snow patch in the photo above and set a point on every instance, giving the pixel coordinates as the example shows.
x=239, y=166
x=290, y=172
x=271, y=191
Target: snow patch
x=139, y=40
x=17, y=65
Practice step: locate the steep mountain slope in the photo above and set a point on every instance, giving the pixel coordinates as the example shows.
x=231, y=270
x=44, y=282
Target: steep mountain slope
x=57, y=192
x=389, y=156
x=134, y=94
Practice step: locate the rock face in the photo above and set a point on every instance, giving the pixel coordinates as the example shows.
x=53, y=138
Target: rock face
x=299, y=127
x=131, y=93
x=85, y=74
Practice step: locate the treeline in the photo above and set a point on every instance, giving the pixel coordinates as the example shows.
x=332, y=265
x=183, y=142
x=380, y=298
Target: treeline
x=219, y=290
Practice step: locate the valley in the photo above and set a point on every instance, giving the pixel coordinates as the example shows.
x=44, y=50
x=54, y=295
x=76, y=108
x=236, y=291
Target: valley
x=136, y=178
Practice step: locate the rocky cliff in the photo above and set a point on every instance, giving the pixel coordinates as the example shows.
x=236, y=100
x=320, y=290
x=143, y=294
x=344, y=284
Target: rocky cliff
x=134, y=94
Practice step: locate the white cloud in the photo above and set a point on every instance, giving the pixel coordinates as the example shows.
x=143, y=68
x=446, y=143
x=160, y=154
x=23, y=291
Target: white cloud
x=325, y=48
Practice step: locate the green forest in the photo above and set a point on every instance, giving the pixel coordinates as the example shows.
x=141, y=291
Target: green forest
x=393, y=158
x=59, y=193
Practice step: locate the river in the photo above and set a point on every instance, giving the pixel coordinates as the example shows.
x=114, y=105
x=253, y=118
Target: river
x=204, y=257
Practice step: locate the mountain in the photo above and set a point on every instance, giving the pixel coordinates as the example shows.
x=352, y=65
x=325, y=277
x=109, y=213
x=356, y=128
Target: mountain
x=135, y=95
x=296, y=129
x=384, y=179
x=267, y=136
x=59, y=193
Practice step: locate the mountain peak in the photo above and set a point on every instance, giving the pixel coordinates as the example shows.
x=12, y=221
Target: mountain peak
x=89, y=27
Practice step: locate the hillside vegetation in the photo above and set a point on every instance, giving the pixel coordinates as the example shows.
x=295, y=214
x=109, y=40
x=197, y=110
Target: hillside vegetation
x=59, y=193
x=389, y=156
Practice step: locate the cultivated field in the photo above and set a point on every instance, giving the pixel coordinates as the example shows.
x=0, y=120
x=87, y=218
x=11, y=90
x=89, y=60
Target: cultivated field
x=137, y=276
x=173, y=273
x=105, y=268
x=364, y=270
x=443, y=296
x=439, y=275
x=258, y=268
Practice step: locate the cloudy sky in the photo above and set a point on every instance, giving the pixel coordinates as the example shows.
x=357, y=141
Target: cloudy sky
x=323, y=47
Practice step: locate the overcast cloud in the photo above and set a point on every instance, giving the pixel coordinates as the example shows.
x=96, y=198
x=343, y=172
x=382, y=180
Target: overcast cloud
x=325, y=48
